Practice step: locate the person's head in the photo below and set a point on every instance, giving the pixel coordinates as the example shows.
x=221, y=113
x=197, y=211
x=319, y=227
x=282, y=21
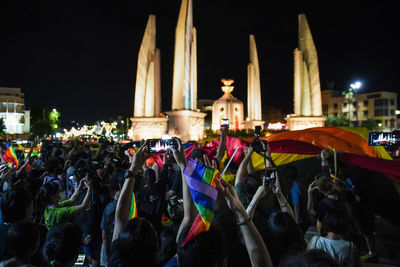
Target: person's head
x=168, y=243
x=313, y=258
x=138, y=244
x=251, y=183
x=23, y=240
x=290, y=172
x=282, y=233
x=62, y=244
x=325, y=185
x=197, y=154
x=53, y=166
x=205, y=250
x=335, y=221
x=49, y=193
x=149, y=177
x=16, y=205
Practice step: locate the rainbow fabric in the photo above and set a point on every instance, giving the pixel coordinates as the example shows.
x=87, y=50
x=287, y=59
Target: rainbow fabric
x=133, y=211
x=10, y=156
x=336, y=179
x=201, y=182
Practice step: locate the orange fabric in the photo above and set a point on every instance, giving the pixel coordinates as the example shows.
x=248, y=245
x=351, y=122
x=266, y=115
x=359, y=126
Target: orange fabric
x=329, y=137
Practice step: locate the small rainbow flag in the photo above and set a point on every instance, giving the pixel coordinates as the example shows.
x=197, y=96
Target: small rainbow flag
x=133, y=211
x=10, y=156
x=336, y=179
x=201, y=182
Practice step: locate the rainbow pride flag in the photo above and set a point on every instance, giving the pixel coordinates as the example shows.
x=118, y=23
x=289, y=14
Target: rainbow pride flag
x=201, y=182
x=10, y=156
x=133, y=210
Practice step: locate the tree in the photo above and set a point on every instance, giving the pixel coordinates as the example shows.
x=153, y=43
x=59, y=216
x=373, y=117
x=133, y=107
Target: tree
x=40, y=122
x=371, y=124
x=340, y=120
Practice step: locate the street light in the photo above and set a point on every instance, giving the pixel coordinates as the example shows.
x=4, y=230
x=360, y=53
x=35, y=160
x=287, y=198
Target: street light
x=350, y=95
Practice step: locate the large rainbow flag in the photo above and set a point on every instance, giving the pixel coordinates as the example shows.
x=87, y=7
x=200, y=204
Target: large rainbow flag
x=201, y=183
x=10, y=156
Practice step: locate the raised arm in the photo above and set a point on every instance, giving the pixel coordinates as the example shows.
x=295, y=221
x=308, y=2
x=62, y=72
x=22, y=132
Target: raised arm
x=260, y=193
x=125, y=198
x=222, y=145
x=85, y=203
x=189, y=209
x=257, y=250
x=240, y=175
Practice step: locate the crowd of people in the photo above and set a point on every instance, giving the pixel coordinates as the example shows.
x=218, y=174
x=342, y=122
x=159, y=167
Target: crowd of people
x=73, y=205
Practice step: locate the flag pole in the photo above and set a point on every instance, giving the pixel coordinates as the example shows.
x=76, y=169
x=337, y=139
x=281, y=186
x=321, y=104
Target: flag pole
x=229, y=162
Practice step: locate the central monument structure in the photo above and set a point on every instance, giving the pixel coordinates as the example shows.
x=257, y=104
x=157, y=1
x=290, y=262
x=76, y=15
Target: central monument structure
x=307, y=87
x=184, y=120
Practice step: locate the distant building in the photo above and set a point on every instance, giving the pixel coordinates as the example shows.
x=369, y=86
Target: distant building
x=380, y=105
x=12, y=111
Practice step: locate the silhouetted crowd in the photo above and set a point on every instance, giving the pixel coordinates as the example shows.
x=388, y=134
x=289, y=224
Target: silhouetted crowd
x=77, y=206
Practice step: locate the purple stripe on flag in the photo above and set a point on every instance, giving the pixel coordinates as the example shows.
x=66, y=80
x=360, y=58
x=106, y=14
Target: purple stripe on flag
x=190, y=167
x=202, y=187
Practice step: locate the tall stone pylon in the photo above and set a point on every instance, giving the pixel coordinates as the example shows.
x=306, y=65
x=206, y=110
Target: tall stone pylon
x=307, y=86
x=184, y=119
x=147, y=121
x=184, y=87
x=253, y=88
x=148, y=82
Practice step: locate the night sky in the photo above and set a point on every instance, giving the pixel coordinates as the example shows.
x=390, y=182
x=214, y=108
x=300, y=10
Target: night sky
x=81, y=57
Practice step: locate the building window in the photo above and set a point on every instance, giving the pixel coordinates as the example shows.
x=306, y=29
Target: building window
x=392, y=102
x=355, y=104
x=386, y=123
x=335, y=114
x=221, y=109
x=392, y=112
x=325, y=109
x=365, y=103
x=381, y=107
x=335, y=105
x=355, y=114
x=392, y=123
x=344, y=105
x=345, y=114
x=365, y=113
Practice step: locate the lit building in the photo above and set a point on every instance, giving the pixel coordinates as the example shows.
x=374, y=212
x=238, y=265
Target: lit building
x=227, y=107
x=12, y=110
x=380, y=105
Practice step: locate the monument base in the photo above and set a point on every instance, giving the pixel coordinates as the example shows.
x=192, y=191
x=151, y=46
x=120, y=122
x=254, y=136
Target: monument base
x=300, y=123
x=188, y=125
x=148, y=127
x=250, y=125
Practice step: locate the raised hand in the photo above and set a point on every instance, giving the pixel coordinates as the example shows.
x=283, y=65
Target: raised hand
x=179, y=153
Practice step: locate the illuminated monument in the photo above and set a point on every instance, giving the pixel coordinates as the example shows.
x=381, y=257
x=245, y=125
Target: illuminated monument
x=253, y=88
x=227, y=107
x=184, y=119
x=307, y=87
x=147, y=121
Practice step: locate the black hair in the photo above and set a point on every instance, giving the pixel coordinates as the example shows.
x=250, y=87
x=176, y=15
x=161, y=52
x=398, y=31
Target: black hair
x=14, y=205
x=335, y=221
x=23, y=239
x=205, y=250
x=63, y=242
x=168, y=243
x=197, y=153
x=310, y=258
x=149, y=175
x=251, y=183
x=138, y=243
x=282, y=233
x=46, y=191
x=51, y=165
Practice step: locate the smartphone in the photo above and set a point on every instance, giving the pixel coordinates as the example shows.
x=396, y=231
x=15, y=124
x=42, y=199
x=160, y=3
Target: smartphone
x=159, y=145
x=383, y=139
x=224, y=123
x=270, y=177
x=80, y=260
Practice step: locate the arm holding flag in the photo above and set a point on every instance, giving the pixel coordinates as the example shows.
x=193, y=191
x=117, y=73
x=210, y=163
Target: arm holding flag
x=189, y=209
x=125, y=199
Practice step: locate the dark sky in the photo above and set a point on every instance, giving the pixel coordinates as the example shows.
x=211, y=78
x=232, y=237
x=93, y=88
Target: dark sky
x=81, y=56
